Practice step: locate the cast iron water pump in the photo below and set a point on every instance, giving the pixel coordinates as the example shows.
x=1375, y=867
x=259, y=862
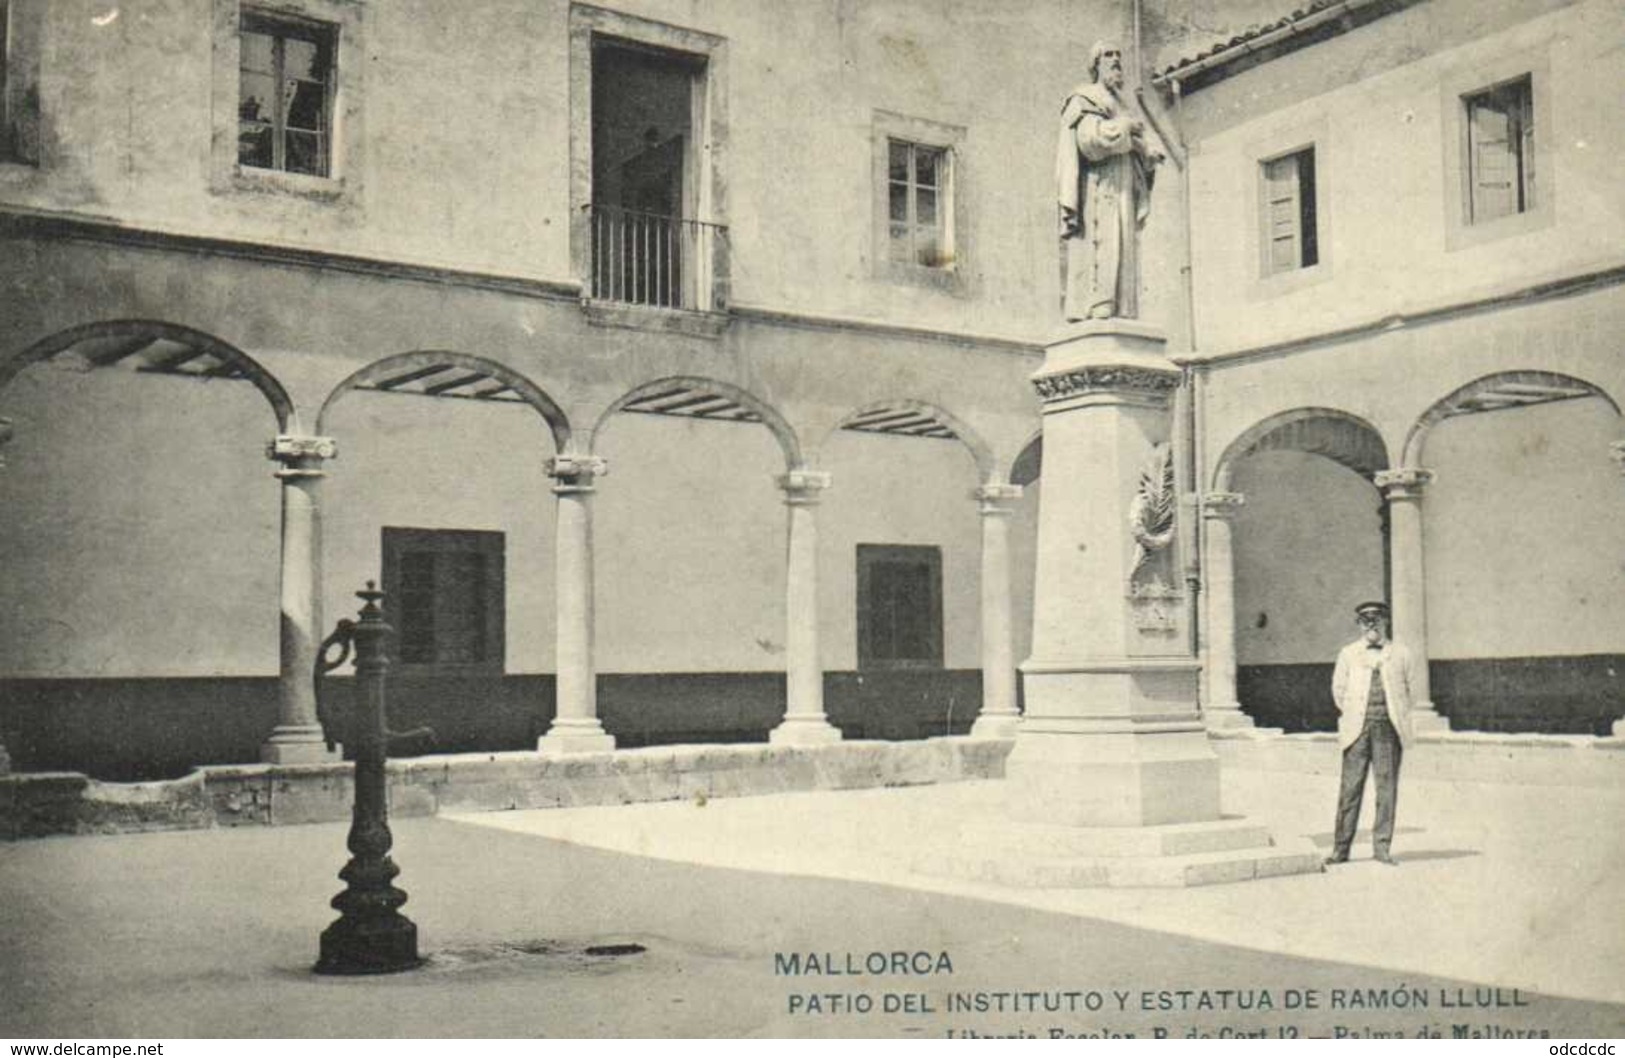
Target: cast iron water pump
x=370, y=936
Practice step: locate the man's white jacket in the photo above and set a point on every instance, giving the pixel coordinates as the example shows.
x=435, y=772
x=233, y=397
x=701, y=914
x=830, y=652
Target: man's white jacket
x=1351, y=688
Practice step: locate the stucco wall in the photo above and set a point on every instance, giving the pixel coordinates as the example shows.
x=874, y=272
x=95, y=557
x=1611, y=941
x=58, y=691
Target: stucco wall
x=138, y=528
x=1307, y=548
x=456, y=134
x=1385, y=145
x=1524, y=534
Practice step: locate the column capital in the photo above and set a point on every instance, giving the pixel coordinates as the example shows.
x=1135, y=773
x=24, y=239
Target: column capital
x=1616, y=450
x=1222, y=505
x=287, y=447
x=576, y=466
x=1403, y=483
x=300, y=454
x=802, y=486
x=996, y=498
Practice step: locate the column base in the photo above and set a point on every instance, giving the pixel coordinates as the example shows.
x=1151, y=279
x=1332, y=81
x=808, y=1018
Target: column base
x=1226, y=717
x=381, y=945
x=302, y=744
x=996, y=725
x=575, y=736
x=1425, y=720
x=804, y=731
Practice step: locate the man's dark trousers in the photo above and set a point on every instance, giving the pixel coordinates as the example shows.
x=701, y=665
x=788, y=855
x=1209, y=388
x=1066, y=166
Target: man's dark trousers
x=1377, y=748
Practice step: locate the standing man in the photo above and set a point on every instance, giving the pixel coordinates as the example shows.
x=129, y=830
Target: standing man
x=1104, y=169
x=1372, y=688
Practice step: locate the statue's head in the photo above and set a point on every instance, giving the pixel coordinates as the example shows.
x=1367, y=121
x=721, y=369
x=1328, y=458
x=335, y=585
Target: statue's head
x=1106, y=63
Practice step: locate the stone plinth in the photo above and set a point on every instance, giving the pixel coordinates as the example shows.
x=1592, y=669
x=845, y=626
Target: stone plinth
x=1112, y=735
x=1112, y=780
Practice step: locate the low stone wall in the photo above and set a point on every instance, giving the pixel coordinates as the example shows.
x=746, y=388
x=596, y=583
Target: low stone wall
x=38, y=804
x=1468, y=756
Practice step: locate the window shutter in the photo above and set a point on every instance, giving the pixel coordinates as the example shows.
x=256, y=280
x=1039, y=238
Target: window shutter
x=1494, y=166
x=1283, y=239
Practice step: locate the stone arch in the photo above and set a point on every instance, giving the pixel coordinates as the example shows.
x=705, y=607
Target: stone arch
x=695, y=397
x=1503, y=389
x=452, y=375
x=155, y=347
x=1028, y=465
x=1340, y=436
x=915, y=418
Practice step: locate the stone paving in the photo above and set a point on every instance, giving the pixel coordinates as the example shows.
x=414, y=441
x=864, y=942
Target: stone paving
x=1502, y=917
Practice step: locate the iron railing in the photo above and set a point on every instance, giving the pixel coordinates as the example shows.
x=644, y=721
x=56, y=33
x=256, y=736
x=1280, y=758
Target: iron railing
x=649, y=259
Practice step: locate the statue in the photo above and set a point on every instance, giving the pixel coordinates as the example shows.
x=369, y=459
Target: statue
x=1104, y=169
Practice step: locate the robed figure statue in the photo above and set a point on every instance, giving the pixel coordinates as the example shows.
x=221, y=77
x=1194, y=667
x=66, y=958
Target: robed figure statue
x=1104, y=168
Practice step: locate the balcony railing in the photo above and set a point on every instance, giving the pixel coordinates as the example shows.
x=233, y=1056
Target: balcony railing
x=648, y=259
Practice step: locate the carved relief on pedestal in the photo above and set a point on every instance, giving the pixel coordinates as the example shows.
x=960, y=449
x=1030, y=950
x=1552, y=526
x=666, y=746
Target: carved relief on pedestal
x=1154, y=602
x=1107, y=378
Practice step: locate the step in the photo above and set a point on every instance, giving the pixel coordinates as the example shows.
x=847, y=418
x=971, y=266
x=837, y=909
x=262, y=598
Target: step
x=1293, y=856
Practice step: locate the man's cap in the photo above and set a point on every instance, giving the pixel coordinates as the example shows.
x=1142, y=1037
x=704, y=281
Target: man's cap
x=1367, y=609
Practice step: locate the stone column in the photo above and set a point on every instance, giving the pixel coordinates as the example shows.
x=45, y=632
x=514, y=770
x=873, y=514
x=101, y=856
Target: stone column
x=575, y=728
x=1112, y=735
x=5, y=436
x=1617, y=451
x=297, y=737
x=1403, y=489
x=999, y=715
x=1221, y=710
x=804, y=719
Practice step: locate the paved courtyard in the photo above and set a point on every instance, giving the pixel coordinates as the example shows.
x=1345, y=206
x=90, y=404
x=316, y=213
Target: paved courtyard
x=757, y=916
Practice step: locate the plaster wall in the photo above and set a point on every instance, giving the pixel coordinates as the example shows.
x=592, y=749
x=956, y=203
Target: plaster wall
x=456, y=134
x=1307, y=549
x=1378, y=104
x=1523, y=531
x=139, y=528
x=1392, y=378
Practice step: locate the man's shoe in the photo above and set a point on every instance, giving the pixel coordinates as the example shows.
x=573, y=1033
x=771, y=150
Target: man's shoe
x=1386, y=858
x=1337, y=857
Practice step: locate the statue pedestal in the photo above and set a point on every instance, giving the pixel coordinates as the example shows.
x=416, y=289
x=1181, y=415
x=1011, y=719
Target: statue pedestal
x=1111, y=780
x=1112, y=735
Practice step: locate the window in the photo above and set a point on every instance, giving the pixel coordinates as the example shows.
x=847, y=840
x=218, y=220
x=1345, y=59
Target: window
x=899, y=606
x=1500, y=124
x=285, y=91
x=444, y=595
x=918, y=228
x=918, y=218
x=647, y=236
x=649, y=214
x=1291, y=232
